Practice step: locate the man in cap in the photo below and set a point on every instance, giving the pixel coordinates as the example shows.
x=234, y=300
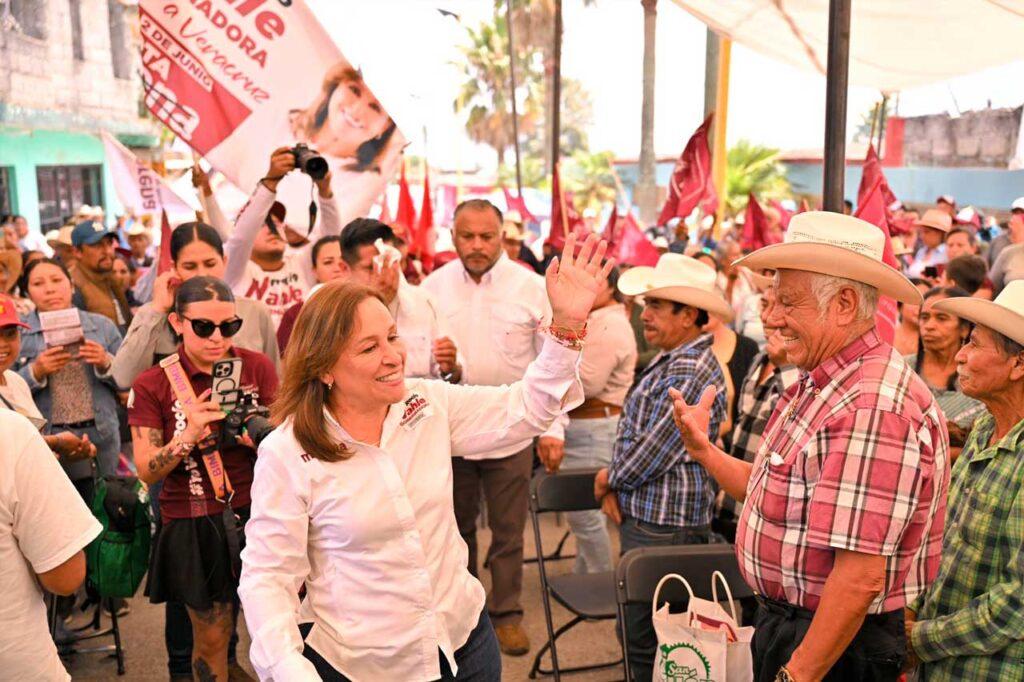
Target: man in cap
x=654, y=489
x=140, y=242
x=947, y=204
x=969, y=623
x=96, y=290
x=1014, y=233
x=932, y=229
x=845, y=501
x=513, y=240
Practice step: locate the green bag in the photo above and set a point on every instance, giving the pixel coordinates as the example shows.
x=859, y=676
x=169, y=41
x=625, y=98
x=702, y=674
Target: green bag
x=118, y=558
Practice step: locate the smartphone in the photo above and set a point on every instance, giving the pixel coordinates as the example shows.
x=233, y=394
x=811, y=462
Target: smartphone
x=227, y=382
x=931, y=272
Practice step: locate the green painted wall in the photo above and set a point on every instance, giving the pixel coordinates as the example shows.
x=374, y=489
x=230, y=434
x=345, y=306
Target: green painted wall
x=24, y=150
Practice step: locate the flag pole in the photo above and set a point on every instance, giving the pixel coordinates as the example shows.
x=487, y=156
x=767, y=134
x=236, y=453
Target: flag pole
x=719, y=160
x=512, y=87
x=836, y=84
x=556, y=87
x=561, y=203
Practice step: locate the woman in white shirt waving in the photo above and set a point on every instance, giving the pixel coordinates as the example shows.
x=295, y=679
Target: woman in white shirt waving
x=352, y=493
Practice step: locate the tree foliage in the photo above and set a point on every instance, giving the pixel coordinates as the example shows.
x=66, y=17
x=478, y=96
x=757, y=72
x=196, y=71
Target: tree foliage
x=754, y=168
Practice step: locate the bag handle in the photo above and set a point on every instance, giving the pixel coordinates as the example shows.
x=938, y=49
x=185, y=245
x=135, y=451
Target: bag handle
x=666, y=578
x=717, y=577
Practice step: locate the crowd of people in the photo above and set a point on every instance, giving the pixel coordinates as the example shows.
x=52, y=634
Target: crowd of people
x=872, y=487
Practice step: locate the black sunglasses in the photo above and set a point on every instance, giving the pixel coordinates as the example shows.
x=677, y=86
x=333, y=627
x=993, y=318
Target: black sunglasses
x=204, y=328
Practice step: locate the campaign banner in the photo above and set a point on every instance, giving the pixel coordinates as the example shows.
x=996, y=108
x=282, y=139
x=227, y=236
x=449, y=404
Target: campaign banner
x=141, y=189
x=236, y=79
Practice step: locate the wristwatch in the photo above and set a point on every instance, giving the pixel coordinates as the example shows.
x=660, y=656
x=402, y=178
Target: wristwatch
x=783, y=675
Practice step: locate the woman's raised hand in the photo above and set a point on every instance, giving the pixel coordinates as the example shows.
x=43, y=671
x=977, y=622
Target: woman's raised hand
x=573, y=282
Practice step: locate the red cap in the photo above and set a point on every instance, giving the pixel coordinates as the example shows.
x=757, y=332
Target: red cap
x=9, y=314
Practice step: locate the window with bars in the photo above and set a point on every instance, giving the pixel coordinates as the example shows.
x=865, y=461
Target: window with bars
x=63, y=189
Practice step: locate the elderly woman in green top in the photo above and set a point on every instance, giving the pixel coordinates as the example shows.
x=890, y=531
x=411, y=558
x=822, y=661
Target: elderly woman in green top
x=969, y=624
x=942, y=334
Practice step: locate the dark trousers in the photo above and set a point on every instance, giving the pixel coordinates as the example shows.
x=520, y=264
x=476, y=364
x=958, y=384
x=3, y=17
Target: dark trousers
x=506, y=486
x=478, y=660
x=876, y=653
x=635, y=533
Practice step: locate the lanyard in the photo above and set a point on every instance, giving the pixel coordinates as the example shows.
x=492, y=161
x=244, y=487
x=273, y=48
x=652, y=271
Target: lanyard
x=207, y=447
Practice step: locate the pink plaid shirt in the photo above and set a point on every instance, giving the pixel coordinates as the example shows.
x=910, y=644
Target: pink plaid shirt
x=855, y=457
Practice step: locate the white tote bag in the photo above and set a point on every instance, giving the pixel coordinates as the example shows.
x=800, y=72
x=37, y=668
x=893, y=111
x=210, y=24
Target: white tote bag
x=705, y=644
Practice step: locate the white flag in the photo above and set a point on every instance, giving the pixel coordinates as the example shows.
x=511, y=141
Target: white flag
x=141, y=189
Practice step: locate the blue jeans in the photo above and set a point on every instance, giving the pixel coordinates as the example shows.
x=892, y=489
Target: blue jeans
x=635, y=533
x=588, y=444
x=478, y=660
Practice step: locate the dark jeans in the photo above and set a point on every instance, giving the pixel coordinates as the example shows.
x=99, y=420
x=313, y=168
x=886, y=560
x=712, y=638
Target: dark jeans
x=479, y=659
x=635, y=533
x=876, y=653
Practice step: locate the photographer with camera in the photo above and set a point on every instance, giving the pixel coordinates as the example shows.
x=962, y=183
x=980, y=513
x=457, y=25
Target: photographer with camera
x=260, y=264
x=177, y=416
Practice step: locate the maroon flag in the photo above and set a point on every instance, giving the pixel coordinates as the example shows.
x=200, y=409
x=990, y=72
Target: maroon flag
x=784, y=215
x=405, y=218
x=627, y=243
x=609, y=233
x=564, y=218
x=518, y=204
x=691, y=182
x=872, y=174
x=873, y=208
x=755, y=226
x=426, y=237
x=164, y=263
x=385, y=212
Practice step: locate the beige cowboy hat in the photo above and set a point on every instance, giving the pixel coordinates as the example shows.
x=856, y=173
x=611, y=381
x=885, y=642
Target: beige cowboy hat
x=677, y=278
x=900, y=248
x=835, y=244
x=1004, y=315
x=513, y=231
x=936, y=219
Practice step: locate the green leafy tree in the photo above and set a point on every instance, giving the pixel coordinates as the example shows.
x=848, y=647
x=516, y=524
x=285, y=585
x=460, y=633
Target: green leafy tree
x=590, y=178
x=754, y=168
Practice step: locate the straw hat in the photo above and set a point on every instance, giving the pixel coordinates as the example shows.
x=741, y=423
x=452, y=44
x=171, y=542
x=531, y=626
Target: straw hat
x=677, y=278
x=900, y=248
x=512, y=230
x=835, y=244
x=1004, y=315
x=936, y=219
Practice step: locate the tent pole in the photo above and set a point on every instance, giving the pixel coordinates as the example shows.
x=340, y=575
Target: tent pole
x=556, y=87
x=719, y=153
x=512, y=87
x=834, y=166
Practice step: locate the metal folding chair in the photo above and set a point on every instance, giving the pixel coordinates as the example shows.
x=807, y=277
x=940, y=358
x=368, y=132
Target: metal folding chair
x=639, y=571
x=589, y=597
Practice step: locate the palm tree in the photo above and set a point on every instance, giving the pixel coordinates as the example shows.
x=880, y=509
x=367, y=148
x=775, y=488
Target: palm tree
x=753, y=168
x=646, y=190
x=591, y=180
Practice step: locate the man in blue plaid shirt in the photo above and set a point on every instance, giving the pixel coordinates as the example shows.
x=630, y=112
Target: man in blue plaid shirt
x=657, y=494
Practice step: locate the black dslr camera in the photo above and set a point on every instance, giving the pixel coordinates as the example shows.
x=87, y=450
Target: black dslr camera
x=245, y=417
x=309, y=162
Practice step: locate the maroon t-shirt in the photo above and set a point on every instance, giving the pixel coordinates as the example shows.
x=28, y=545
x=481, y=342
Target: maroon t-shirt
x=154, y=406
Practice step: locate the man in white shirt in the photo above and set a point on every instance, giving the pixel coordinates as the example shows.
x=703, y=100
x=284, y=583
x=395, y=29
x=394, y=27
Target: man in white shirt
x=29, y=240
x=430, y=353
x=260, y=264
x=44, y=525
x=495, y=310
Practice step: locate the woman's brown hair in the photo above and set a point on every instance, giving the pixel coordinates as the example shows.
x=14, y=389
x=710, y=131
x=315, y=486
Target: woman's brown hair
x=321, y=330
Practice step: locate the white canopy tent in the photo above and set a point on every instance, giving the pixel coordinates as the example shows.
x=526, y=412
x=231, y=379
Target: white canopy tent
x=894, y=44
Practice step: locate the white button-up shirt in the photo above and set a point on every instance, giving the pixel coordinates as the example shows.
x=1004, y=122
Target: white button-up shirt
x=419, y=323
x=374, y=537
x=495, y=324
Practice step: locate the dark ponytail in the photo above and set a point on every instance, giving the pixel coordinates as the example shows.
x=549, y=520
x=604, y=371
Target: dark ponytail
x=200, y=289
x=186, y=233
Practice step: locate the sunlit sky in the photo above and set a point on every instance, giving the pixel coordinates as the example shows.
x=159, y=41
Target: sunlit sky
x=408, y=52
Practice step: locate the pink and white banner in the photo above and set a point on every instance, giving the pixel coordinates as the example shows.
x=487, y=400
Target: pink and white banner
x=237, y=79
x=141, y=189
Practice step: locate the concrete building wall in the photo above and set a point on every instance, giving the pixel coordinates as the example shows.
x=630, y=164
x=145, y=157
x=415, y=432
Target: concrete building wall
x=976, y=139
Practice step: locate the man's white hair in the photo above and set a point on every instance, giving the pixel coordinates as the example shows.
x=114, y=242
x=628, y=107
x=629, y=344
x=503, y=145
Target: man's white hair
x=827, y=287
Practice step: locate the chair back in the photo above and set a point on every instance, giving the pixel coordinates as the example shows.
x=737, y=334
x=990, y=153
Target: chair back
x=640, y=569
x=568, y=490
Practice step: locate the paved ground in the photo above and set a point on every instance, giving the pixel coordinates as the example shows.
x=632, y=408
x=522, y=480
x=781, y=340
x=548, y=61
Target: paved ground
x=146, y=658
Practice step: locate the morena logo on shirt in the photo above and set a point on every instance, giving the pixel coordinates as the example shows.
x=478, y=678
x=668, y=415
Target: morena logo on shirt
x=414, y=406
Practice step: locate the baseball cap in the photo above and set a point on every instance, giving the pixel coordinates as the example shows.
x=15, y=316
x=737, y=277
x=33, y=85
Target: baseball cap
x=946, y=199
x=9, y=314
x=1018, y=204
x=89, y=232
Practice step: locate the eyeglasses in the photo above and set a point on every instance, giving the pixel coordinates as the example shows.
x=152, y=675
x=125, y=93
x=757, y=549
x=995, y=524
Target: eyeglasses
x=204, y=328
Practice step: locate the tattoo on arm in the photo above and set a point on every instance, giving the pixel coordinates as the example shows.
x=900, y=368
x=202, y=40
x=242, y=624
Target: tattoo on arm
x=163, y=457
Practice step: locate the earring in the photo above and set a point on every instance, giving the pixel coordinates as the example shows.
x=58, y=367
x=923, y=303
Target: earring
x=329, y=384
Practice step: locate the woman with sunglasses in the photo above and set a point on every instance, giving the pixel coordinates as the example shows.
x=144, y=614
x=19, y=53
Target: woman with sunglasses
x=71, y=383
x=196, y=250
x=176, y=435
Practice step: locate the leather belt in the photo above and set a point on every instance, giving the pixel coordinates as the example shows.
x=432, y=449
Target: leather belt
x=593, y=408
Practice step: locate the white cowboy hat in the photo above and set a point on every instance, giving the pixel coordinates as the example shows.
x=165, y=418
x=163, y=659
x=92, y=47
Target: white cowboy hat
x=137, y=229
x=936, y=219
x=513, y=216
x=835, y=244
x=513, y=231
x=1004, y=315
x=1018, y=204
x=677, y=278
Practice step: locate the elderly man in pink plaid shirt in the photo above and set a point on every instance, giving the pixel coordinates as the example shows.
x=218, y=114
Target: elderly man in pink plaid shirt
x=846, y=499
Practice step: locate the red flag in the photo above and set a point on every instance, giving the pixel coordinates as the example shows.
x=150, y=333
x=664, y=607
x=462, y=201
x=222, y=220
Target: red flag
x=631, y=244
x=691, y=182
x=755, y=226
x=784, y=215
x=564, y=218
x=609, y=234
x=405, y=219
x=873, y=209
x=165, y=263
x=426, y=237
x=385, y=212
x=871, y=174
x=518, y=204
